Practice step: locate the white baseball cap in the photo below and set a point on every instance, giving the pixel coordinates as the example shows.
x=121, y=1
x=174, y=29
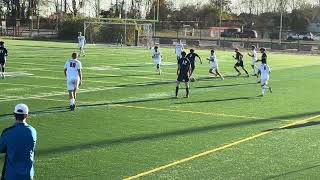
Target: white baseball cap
x=21, y=109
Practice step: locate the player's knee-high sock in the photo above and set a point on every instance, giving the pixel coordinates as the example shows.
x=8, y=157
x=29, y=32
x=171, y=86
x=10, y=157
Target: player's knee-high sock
x=263, y=89
x=245, y=71
x=177, y=90
x=237, y=69
x=2, y=69
x=187, y=91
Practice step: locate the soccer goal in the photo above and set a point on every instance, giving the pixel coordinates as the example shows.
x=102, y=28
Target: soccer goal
x=119, y=34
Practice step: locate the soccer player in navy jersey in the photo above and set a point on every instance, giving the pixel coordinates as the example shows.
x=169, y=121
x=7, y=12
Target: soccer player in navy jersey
x=192, y=58
x=239, y=58
x=183, y=73
x=3, y=56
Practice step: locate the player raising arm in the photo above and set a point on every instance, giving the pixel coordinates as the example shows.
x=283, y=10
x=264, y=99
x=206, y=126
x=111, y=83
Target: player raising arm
x=183, y=73
x=264, y=72
x=157, y=57
x=239, y=63
x=73, y=74
x=214, y=69
x=81, y=43
x=3, y=58
x=253, y=55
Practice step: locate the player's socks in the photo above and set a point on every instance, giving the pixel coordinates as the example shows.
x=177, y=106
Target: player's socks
x=72, y=101
x=187, y=92
x=270, y=89
x=177, y=90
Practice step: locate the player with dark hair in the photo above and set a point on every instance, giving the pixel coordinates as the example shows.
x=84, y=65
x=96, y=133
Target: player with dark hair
x=239, y=58
x=3, y=58
x=81, y=43
x=264, y=72
x=183, y=72
x=73, y=74
x=214, y=69
x=156, y=56
x=263, y=56
x=192, y=58
x=253, y=55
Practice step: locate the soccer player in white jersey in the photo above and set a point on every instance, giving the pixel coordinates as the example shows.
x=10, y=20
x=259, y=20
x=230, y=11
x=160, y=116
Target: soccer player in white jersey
x=157, y=57
x=264, y=72
x=214, y=69
x=179, y=49
x=81, y=43
x=73, y=74
x=253, y=55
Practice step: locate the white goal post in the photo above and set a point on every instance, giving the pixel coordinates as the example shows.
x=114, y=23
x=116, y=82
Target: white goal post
x=120, y=34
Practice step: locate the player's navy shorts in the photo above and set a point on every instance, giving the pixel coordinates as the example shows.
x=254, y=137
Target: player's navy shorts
x=239, y=64
x=183, y=78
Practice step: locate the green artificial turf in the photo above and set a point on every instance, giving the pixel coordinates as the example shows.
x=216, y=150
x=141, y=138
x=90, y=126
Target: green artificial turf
x=127, y=122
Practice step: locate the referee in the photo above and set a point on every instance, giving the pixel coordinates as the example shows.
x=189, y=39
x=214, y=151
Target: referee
x=18, y=143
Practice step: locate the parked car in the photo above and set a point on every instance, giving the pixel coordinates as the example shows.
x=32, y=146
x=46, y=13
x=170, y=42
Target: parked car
x=247, y=34
x=230, y=32
x=301, y=36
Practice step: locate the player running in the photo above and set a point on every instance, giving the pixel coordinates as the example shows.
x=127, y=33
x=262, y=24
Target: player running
x=263, y=56
x=183, y=72
x=73, y=74
x=192, y=58
x=239, y=58
x=264, y=72
x=157, y=57
x=179, y=49
x=3, y=58
x=253, y=55
x=214, y=69
x=81, y=43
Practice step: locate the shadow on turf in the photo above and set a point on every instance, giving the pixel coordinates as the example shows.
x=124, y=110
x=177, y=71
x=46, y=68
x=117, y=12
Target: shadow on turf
x=125, y=75
x=307, y=124
x=226, y=85
x=221, y=100
x=34, y=113
x=169, y=134
x=292, y=172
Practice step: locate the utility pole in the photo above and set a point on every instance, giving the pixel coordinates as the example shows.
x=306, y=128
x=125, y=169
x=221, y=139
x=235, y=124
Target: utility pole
x=98, y=9
x=281, y=18
x=220, y=20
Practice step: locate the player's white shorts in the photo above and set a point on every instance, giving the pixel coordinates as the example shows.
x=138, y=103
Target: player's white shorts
x=253, y=62
x=179, y=56
x=73, y=84
x=213, y=66
x=81, y=46
x=264, y=81
x=157, y=61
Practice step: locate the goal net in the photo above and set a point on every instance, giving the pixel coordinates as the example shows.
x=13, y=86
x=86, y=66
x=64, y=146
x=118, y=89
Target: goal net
x=119, y=34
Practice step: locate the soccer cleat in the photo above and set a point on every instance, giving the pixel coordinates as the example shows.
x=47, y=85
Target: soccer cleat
x=270, y=89
x=222, y=78
x=186, y=96
x=239, y=74
x=72, y=107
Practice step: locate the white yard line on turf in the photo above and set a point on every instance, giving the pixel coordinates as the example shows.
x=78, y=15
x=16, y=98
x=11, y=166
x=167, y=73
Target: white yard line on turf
x=57, y=94
x=29, y=85
x=101, y=74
